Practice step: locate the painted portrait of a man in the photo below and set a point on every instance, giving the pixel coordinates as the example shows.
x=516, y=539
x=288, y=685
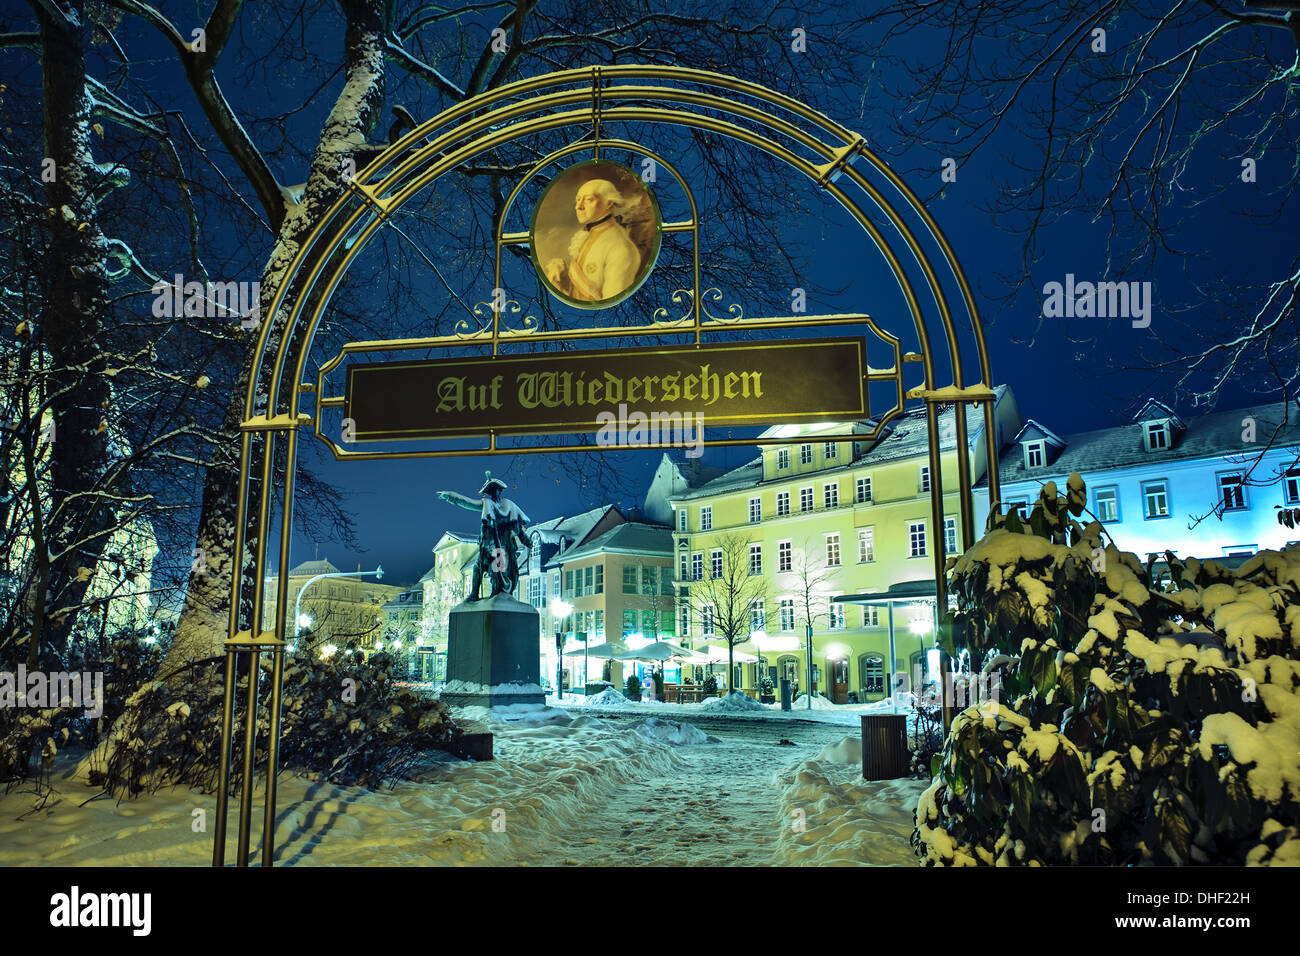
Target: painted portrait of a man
x=595, y=234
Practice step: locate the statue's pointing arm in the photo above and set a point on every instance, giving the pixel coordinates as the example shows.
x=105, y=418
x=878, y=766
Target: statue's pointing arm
x=461, y=501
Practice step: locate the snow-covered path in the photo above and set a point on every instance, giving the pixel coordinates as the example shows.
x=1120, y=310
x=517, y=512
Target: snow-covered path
x=720, y=806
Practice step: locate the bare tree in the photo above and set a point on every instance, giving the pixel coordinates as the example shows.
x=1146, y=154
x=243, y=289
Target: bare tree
x=723, y=600
x=813, y=581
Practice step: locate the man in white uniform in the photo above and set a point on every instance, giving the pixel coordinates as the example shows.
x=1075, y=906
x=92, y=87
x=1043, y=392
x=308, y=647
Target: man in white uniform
x=603, y=260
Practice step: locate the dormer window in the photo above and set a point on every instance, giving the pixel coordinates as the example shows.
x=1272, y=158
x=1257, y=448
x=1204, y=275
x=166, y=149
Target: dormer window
x=1035, y=454
x=1157, y=435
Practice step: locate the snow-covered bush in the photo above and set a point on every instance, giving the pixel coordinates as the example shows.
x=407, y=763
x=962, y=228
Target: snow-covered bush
x=344, y=720
x=1139, y=721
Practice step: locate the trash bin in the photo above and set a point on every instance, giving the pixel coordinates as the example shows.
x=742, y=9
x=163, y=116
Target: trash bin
x=884, y=746
x=785, y=693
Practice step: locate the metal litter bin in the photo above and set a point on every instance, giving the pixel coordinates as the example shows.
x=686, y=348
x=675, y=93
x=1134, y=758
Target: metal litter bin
x=884, y=746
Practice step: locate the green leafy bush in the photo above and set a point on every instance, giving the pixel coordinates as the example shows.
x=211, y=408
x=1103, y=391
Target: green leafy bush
x=632, y=688
x=1139, y=720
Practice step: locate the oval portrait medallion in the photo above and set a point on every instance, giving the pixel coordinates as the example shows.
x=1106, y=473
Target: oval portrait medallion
x=595, y=234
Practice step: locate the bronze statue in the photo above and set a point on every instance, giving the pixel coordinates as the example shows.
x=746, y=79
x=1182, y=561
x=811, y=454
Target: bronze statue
x=502, y=525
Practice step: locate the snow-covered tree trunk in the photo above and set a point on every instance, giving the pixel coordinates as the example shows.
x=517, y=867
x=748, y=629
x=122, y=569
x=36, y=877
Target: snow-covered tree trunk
x=204, y=620
x=75, y=303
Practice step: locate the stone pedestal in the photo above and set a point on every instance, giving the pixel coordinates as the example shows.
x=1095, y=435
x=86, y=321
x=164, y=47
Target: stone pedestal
x=493, y=654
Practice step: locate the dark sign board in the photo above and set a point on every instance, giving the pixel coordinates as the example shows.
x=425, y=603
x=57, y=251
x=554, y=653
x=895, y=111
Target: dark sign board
x=752, y=383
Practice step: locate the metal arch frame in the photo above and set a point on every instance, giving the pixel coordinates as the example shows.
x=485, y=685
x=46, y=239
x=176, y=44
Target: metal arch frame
x=505, y=115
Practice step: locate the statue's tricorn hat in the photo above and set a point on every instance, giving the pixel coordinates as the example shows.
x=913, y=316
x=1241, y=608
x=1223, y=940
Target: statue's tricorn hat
x=490, y=482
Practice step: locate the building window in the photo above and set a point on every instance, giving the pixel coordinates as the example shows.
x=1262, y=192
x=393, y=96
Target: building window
x=665, y=582
x=669, y=624
x=806, y=499
x=925, y=478
x=833, y=550
x=649, y=579
x=715, y=563
x=870, y=615
x=831, y=450
x=1107, y=507
x=783, y=458
x=950, y=535
x=535, y=592
x=784, y=552
x=629, y=622
x=787, y=614
x=866, y=544
x=706, y=518
x=1020, y=506
x=755, y=510
x=1291, y=486
x=831, y=496
x=836, y=613
x=1157, y=436
x=600, y=623
x=871, y=673
x=588, y=576
x=1231, y=492
x=697, y=566
x=863, y=490
x=757, y=616
x=782, y=503
x=568, y=584
x=1239, y=550
x=916, y=539
x=681, y=519
x=706, y=619
x=629, y=579
x=684, y=615
x=555, y=584
x=1155, y=499
x=805, y=454
x=755, y=559
x=683, y=568
x=600, y=579
x=1034, y=456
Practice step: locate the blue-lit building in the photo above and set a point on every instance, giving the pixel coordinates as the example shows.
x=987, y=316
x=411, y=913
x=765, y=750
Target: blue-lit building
x=1198, y=487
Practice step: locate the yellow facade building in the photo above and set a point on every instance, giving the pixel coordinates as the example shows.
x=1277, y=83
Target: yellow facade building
x=821, y=520
x=346, y=612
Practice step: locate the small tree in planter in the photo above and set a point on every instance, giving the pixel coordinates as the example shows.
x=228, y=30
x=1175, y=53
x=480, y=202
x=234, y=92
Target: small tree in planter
x=710, y=686
x=632, y=688
x=765, y=688
x=1138, y=722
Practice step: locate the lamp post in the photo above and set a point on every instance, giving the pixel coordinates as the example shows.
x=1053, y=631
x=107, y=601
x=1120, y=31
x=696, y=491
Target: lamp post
x=299, y=617
x=560, y=609
x=808, y=642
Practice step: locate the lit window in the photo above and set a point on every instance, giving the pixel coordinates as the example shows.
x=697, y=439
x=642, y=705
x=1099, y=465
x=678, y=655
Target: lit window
x=836, y=613
x=1155, y=499
x=870, y=615
x=1107, y=503
x=757, y=616
x=1231, y=492
x=950, y=535
x=784, y=555
x=755, y=510
x=916, y=539
x=706, y=619
x=833, y=550
x=787, y=614
x=866, y=544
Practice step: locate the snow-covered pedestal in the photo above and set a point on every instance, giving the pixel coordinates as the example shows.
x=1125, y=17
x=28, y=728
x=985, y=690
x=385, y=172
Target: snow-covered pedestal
x=493, y=656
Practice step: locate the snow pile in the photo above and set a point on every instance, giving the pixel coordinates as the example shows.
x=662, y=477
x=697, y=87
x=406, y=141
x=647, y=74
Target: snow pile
x=469, y=687
x=818, y=703
x=608, y=697
x=733, y=703
x=847, y=750
x=669, y=732
x=830, y=816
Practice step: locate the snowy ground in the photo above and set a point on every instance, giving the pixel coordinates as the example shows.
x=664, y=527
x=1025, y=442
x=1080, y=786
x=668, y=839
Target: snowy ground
x=630, y=789
x=822, y=710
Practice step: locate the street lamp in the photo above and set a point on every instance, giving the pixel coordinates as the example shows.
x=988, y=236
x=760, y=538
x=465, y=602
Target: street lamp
x=560, y=609
x=811, y=684
x=299, y=617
